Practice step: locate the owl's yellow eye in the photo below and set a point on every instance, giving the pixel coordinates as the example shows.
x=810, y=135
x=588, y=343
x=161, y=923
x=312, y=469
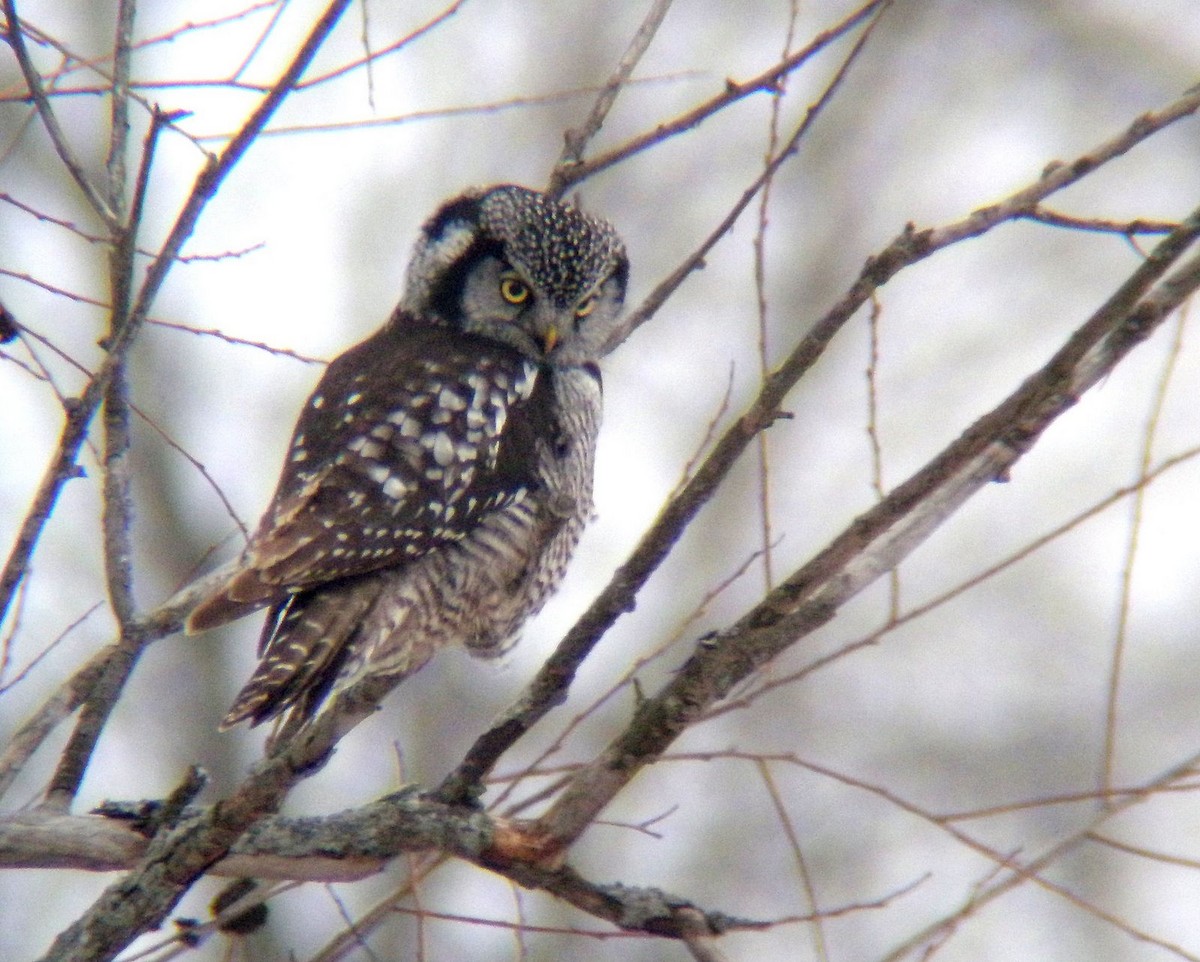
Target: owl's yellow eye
x=514, y=290
x=586, y=307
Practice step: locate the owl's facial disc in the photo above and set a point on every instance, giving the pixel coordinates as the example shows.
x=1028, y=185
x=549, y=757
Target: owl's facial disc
x=518, y=267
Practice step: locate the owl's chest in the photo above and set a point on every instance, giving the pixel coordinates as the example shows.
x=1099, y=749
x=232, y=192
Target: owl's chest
x=519, y=553
x=566, y=452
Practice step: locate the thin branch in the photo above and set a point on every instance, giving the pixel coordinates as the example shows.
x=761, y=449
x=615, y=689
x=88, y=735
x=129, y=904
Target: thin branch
x=7, y=684
x=1100, y=225
x=443, y=113
x=62, y=466
x=732, y=93
x=16, y=40
x=117, y=513
x=876, y=447
x=268, y=29
x=1145, y=462
x=372, y=57
x=575, y=141
x=820, y=948
x=877, y=541
x=549, y=687
x=118, y=102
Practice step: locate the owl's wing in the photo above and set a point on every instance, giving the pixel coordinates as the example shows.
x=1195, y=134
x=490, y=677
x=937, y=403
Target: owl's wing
x=407, y=441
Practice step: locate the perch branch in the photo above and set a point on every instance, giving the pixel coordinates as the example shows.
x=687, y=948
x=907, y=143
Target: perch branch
x=549, y=687
x=875, y=542
x=354, y=844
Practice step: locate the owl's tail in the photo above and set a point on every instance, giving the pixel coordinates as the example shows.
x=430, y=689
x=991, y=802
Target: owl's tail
x=304, y=645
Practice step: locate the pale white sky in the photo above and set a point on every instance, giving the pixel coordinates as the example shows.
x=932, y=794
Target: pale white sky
x=995, y=698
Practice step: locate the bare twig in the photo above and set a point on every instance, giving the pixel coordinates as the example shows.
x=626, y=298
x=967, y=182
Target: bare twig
x=16, y=40
x=1100, y=225
x=550, y=686
x=759, y=245
x=732, y=93
x=879, y=539
x=6, y=683
x=820, y=949
x=372, y=57
x=576, y=140
x=1108, y=759
x=444, y=113
x=62, y=466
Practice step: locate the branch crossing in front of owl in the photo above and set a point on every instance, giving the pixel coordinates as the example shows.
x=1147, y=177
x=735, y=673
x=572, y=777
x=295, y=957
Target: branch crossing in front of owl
x=440, y=474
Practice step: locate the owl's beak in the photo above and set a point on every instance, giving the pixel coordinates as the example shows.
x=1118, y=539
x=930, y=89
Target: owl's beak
x=549, y=339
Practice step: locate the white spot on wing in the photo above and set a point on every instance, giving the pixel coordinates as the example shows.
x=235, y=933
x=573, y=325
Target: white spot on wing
x=443, y=449
x=393, y=487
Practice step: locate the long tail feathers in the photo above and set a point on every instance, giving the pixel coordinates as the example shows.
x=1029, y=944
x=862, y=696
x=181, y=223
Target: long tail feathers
x=245, y=592
x=305, y=642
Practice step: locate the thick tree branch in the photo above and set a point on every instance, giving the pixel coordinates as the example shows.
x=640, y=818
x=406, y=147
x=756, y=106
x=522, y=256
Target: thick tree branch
x=549, y=687
x=351, y=845
x=877, y=541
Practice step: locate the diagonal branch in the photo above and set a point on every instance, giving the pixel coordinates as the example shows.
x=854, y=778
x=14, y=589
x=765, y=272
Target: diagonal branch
x=574, y=141
x=16, y=40
x=549, y=687
x=81, y=411
x=732, y=93
x=876, y=541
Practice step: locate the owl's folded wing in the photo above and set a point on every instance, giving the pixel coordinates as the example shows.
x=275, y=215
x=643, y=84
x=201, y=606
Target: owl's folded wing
x=407, y=453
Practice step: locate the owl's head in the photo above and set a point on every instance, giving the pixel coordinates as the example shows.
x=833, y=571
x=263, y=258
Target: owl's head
x=512, y=265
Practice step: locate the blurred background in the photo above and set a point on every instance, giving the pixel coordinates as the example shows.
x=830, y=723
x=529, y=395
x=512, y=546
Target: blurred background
x=995, y=698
